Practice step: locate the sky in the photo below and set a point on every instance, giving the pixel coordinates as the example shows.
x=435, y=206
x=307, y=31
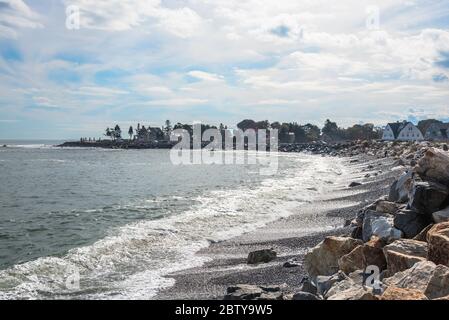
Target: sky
x=130, y=61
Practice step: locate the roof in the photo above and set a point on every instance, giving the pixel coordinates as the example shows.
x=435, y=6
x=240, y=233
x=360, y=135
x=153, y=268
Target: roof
x=396, y=127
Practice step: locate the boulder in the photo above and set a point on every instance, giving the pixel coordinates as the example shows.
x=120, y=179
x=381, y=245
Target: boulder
x=261, y=256
x=353, y=280
x=399, y=190
x=324, y=283
x=373, y=253
x=243, y=292
x=253, y=292
x=387, y=207
x=362, y=256
x=308, y=286
x=445, y=147
x=350, y=290
x=352, y=261
x=403, y=254
x=380, y=225
x=305, y=296
x=354, y=184
x=438, y=285
x=292, y=263
x=434, y=166
x=395, y=293
x=441, y=216
x=417, y=277
x=357, y=293
x=323, y=259
x=427, y=197
x=422, y=236
x=270, y=296
x=410, y=222
x=438, y=240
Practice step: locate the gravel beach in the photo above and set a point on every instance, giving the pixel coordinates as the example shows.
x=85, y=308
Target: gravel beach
x=290, y=237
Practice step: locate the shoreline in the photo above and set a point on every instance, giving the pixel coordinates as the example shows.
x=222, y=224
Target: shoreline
x=290, y=237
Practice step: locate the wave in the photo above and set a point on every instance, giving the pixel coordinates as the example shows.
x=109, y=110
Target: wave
x=134, y=261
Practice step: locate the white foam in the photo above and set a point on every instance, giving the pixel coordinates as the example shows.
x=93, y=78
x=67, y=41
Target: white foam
x=134, y=261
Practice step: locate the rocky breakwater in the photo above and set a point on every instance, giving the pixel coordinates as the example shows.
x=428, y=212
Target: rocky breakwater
x=404, y=152
x=397, y=248
x=399, y=245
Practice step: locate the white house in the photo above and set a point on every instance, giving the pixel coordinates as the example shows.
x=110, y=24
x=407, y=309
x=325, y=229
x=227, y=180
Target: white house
x=403, y=131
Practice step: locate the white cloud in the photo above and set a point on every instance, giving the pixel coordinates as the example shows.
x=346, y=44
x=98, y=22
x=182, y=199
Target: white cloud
x=278, y=59
x=206, y=76
x=122, y=15
x=176, y=102
x=15, y=14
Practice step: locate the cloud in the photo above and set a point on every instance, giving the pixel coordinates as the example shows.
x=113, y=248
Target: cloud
x=15, y=14
x=206, y=76
x=44, y=102
x=176, y=102
x=122, y=15
x=223, y=60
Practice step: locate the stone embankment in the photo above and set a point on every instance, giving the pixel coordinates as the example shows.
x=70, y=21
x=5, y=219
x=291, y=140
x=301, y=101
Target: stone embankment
x=398, y=246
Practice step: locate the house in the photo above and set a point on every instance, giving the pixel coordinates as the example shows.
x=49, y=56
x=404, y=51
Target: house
x=437, y=132
x=403, y=131
x=150, y=134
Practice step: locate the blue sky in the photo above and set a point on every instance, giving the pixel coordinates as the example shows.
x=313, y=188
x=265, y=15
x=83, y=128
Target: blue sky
x=219, y=61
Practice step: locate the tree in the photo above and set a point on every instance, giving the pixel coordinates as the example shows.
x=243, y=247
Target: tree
x=423, y=125
x=262, y=124
x=331, y=129
x=300, y=133
x=168, y=127
x=283, y=134
x=117, y=132
x=363, y=132
x=312, y=132
x=108, y=133
x=131, y=132
x=247, y=124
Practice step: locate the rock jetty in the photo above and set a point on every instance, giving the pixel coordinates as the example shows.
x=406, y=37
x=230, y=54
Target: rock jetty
x=397, y=247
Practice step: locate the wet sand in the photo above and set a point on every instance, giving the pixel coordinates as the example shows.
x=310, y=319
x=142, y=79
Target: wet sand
x=290, y=237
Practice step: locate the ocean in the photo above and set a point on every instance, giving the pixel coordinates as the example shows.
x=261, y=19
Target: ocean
x=111, y=224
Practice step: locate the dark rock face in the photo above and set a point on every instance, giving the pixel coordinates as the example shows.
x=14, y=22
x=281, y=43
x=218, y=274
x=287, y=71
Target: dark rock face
x=410, y=222
x=261, y=256
x=354, y=184
x=441, y=216
x=428, y=197
x=308, y=286
x=292, y=263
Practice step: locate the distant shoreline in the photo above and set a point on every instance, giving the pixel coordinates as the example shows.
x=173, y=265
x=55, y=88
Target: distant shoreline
x=318, y=147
